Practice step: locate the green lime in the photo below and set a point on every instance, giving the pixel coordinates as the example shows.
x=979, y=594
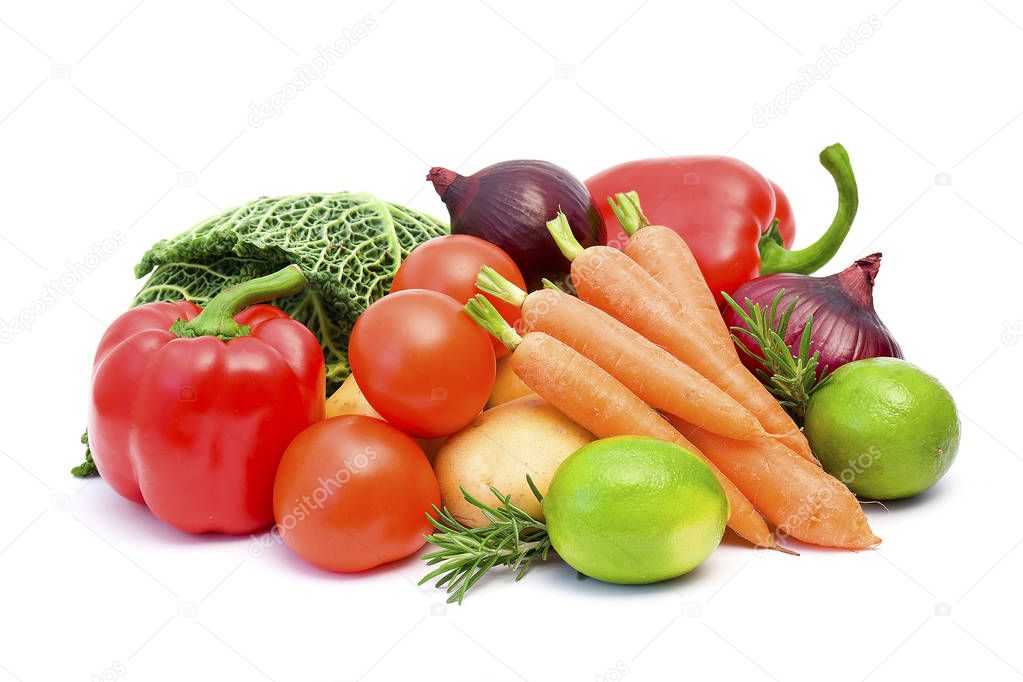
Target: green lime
x=634, y=510
x=884, y=427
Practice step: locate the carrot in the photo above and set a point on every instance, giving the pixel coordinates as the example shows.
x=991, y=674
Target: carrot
x=610, y=280
x=665, y=255
x=667, y=258
x=802, y=500
x=652, y=373
x=599, y=403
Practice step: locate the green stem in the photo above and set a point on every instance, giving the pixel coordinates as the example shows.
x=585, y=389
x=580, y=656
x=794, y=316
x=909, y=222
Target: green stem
x=217, y=318
x=627, y=209
x=486, y=316
x=563, y=237
x=88, y=467
x=490, y=281
x=547, y=284
x=776, y=258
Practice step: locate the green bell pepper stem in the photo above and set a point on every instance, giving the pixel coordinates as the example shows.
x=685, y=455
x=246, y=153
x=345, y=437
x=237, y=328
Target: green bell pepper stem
x=774, y=257
x=217, y=318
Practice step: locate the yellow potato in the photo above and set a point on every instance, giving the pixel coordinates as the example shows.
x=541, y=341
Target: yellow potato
x=503, y=445
x=507, y=385
x=348, y=399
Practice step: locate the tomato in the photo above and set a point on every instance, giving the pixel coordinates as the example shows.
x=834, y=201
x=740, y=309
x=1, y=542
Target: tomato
x=421, y=362
x=449, y=264
x=352, y=492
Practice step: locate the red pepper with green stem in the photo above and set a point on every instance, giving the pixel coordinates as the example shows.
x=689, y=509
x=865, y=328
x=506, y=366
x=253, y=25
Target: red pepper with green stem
x=783, y=216
x=733, y=219
x=192, y=408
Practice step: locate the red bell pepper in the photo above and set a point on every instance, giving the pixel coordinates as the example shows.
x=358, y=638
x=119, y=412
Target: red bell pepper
x=738, y=223
x=192, y=409
x=783, y=216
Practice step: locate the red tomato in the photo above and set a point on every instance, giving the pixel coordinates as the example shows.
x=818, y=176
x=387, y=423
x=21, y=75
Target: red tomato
x=449, y=264
x=422, y=363
x=352, y=492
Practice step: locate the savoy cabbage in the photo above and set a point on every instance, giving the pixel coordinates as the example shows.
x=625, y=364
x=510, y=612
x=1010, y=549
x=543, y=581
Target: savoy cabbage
x=348, y=245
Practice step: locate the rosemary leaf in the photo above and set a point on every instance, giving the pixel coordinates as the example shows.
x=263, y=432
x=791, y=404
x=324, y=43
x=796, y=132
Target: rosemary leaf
x=791, y=379
x=513, y=539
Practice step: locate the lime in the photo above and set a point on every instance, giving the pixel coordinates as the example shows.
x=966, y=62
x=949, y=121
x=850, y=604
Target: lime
x=884, y=427
x=634, y=510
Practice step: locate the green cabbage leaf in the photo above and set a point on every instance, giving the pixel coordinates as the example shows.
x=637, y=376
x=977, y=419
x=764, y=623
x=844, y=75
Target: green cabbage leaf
x=348, y=245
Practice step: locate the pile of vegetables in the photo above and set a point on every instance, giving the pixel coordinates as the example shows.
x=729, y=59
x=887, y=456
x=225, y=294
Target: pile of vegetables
x=549, y=376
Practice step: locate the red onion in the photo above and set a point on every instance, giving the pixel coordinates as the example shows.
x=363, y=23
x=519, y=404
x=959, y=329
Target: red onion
x=845, y=326
x=509, y=204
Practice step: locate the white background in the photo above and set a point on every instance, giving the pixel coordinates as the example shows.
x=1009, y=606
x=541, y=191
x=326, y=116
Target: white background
x=129, y=121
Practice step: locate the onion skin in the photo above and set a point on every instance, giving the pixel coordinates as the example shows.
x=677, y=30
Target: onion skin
x=509, y=204
x=845, y=325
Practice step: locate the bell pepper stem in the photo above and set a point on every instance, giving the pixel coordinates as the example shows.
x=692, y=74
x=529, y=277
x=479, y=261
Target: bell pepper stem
x=217, y=318
x=774, y=234
x=776, y=258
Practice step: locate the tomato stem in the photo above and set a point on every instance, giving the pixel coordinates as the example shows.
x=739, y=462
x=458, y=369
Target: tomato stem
x=217, y=319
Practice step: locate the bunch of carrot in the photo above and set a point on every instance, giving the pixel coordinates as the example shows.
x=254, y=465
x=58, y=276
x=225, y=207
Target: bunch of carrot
x=644, y=351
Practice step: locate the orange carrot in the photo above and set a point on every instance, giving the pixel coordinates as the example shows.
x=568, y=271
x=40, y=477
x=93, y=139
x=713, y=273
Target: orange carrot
x=652, y=373
x=801, y=499
x=610, y=280
x=665, y=255
x=599, y=403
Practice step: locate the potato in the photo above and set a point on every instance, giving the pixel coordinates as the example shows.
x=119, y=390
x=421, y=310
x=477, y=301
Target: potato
x=348, y=399
x=507, y=385
x=503, y=445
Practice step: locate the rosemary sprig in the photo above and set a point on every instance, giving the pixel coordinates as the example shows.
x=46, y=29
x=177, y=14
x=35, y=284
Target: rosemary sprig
x=792, y=379
x=513, y=539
